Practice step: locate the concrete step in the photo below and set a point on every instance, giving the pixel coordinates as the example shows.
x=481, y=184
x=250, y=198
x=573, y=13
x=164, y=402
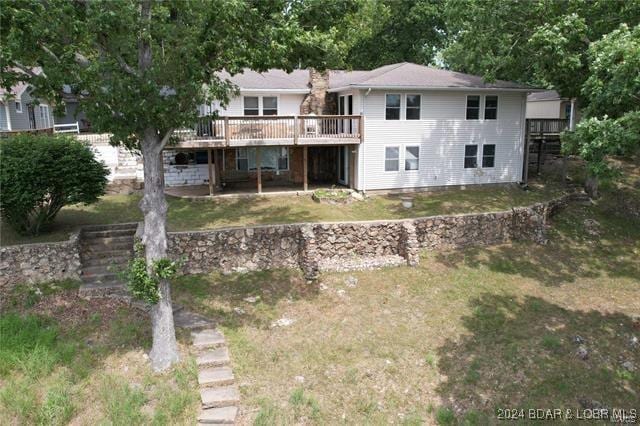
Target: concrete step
x=208, y=338
x=104, y=277
x=90, y=271
x=218, y=416
x=108, y=244
x=87, y=255
x=128, y=225
x=106, y=261
x=215, y=376
x=109, y=233
x=96, y=290
x=223, y=396
x=215, y=358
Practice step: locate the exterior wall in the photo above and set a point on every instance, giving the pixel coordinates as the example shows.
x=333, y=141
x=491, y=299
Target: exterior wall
x=545, y=109
x=181, y=175
x=288, y=104
x=4, y=125
x=72, y=116
x=20, y=120
x=441, y=133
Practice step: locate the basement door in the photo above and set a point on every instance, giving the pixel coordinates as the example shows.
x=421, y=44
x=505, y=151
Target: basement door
x=343, y=165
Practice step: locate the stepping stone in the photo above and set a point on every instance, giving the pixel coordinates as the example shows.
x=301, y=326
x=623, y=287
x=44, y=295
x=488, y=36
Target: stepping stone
x=215, y=358
x=222, y=415
x=207, y=339
x=191, y=320
x=223, y=396
x=216, y=376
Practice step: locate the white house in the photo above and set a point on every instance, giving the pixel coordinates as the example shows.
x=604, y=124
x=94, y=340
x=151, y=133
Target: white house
x=20, y=111
x=398, y=127
x=549, y=104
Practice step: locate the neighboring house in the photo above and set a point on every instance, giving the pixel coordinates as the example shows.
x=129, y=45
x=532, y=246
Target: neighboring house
x=549, y=105
x=20, y=111
x=71, y=113
x=398, y=127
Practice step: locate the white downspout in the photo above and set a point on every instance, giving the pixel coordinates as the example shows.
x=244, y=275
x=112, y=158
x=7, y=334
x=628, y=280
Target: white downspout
x=8, y=114
x=572, y=116
x=364, y=145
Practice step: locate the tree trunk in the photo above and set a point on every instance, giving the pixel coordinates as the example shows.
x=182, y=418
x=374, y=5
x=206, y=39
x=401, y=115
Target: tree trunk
x=164, y=351
x=591, y=186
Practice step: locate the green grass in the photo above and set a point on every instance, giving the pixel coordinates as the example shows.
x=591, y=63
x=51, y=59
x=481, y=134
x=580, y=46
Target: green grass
x=66, y=360
x=192, y=215
x=447, y=342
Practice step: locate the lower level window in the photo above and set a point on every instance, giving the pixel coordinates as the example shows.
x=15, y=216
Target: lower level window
x=271, y=158
x=488, y=155
x=470, y=156
x=412, y=158
x=391, y=159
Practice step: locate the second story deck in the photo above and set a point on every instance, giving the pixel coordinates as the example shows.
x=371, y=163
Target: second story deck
x=237, y=131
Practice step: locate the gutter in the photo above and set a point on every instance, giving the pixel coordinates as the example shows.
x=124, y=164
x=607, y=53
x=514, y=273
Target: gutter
x=455, y=88
x=290, y=91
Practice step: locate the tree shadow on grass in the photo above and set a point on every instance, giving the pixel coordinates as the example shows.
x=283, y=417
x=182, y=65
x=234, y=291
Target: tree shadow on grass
x=522, y=353
x=575, y=250
x=240, y=299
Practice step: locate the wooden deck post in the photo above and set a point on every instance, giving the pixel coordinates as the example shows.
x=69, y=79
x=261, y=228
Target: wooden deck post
x=305, y=167
x=210, y=166
x=227, y=137
x=217, y=159
x=296, y=129
x=259, y=167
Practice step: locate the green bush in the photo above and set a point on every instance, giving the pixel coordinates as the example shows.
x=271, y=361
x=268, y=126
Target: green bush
x=40, y=174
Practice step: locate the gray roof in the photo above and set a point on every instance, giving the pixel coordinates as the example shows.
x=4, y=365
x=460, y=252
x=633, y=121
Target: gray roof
x=547, y=95
x=404, y=74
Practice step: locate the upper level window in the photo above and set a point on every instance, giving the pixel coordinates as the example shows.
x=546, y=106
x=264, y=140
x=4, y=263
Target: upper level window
x=473, y=107
x=251, y=106
x=413, y=107
x=488, y=155
x=392, y=107
x=470, y=156
x=391, y=159
x=269, y=105
x=490, y=107
x=412, y=158
x=18, y=106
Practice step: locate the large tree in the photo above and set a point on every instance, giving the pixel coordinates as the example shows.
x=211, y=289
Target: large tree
x=140, y=69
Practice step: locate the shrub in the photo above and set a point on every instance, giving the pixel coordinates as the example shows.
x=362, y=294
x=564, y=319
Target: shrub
x=40, y=174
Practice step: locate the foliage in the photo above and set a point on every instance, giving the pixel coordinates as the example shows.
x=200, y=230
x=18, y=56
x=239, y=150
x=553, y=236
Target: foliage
x=612, y=91
x=142, y=284
x=41, y=174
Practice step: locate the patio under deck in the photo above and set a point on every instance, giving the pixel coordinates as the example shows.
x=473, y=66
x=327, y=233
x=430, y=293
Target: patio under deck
x=201, y=192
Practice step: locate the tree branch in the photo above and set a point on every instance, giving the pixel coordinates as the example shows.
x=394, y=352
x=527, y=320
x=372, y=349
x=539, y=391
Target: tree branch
x=123, y=64
x=144, y=46
x=165, y=139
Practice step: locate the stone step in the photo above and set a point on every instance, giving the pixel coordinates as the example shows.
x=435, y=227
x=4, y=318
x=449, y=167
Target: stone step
x=208, y=338
x=218, y=416
x=96, y=290
x=108, y=244
x=128, y=225
x=99, y=270
x=215, y=358
x=223, y=396
x=109, y=233
x=87, y=255
x=215, y=376
x=119, y=261
x=104, y=277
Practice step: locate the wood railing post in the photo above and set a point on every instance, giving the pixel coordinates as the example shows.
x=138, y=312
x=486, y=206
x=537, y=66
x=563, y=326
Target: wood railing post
x=210, y=166
x=296, y=130
x=305, y=167
x=361, y=128
x=259, y=167
x=226, y=131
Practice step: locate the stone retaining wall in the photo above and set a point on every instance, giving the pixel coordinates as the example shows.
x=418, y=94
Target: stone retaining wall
x=39, y=262
x=352, y=245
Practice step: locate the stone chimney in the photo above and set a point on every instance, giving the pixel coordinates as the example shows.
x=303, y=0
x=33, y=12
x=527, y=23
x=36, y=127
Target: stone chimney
x=319, y=101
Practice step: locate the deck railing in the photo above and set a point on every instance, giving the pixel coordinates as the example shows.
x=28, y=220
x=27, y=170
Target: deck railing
x=277, y=127
x=547, y=125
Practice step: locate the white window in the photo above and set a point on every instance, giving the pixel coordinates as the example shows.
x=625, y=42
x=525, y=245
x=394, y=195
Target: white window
x=473, y=107
x=412, y=158
x=491, y=107
x=251, y=105
x=44, y=115
x=392, y=107
x=488, y=155
x=271, y=158
x=391, y=159
x=18, y=106
x=270, y=105
x=412, y=111
x=470, y=156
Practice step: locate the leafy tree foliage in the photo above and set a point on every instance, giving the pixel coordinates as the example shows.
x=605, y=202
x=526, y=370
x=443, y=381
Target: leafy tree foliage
x=141, y=68
x=40, y=174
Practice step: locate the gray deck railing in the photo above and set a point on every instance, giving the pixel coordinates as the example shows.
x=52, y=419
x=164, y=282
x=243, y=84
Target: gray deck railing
x=547, y=125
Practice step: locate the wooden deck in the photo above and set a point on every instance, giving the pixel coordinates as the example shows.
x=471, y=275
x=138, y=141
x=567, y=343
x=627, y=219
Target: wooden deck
x=240, y=131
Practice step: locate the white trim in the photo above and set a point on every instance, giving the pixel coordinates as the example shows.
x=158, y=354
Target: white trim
x=480, y=110
x=399, y=107
x=411, y=145
x=384, y=159
x=277, y=91
x=15, y=105
x=419, y=95
x=495, y=152
x=464, y=156
x=8, y=114
x=261, y=104
x=467, y=89
x=484, y=110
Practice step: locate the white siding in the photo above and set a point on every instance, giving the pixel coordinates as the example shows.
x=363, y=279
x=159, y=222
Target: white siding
x=3, y=117
x=441, y=134
x=288, y=104
x=544, y=109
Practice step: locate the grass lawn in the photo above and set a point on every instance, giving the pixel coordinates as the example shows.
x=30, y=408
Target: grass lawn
x=191, y=215
x=451, y=341
x=66, y=360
